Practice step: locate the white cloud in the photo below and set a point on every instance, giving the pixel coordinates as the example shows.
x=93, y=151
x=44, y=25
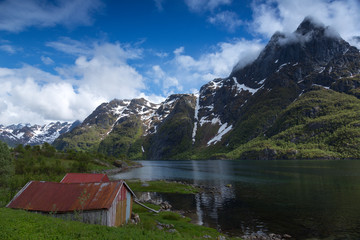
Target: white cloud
x=227, y=19
x=190, y=73
x=158, y=73
x=47, y=60
x=24, y=99
x=105, y=72
x=29, y=94
x=205, y=5
x=17, y=15
x=179, y=50
x=168, y=83
x=115, y=51
x=220, y=62
x=283, y=15
x=72, y=47
x=104, y=78
x=7, y=48
x=161, y=54
x=152, y=98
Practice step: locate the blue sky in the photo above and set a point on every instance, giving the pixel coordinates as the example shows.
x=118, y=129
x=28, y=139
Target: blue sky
x=60, y=59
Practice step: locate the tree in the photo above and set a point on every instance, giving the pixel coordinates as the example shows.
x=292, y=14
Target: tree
x=6, y=165
x=19, y=148
x=48, y=150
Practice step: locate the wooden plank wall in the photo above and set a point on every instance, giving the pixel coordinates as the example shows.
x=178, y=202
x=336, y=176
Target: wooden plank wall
x=93, y=217
x=121, y=206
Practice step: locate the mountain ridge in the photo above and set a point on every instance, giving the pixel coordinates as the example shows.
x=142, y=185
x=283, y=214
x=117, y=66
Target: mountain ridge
x=229, y=112
x=241, y=111
x=28, y=134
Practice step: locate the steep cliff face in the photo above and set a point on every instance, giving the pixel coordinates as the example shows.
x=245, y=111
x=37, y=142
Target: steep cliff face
x=173, y=135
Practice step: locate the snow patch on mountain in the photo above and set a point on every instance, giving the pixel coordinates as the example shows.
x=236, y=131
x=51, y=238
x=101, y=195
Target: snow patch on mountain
x=262, y=81
x=281, y=66
x=141, y=108
x=318, y=85
x=243, y=87
x=224, y=129
x=196, y=116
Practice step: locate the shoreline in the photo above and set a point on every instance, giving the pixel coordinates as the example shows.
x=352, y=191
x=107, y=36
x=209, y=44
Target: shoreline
x=123, y=167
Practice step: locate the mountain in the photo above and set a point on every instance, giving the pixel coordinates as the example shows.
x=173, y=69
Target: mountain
x=27, y=134
x=131, y=119
x=285, y=104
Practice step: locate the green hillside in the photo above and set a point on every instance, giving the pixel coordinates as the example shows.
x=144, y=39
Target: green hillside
x=125, y=140
x=320, y=124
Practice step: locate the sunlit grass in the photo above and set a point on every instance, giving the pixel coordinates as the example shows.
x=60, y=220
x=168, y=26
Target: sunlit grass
x=162, y=186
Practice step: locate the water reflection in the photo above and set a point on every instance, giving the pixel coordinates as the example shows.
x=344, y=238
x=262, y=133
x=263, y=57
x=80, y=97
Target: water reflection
x=209, y=204
x=306, y=199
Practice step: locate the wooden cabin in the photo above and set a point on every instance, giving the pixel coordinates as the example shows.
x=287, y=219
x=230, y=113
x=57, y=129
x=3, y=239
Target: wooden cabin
x=105, y=203
x=85, y=178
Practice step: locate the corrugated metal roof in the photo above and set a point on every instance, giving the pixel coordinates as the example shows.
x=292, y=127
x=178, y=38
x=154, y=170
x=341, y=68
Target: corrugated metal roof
x=85, y=178
x=65, y=197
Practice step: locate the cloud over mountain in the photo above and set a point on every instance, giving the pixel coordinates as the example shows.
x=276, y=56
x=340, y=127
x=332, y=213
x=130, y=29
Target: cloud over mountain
x=284, y=16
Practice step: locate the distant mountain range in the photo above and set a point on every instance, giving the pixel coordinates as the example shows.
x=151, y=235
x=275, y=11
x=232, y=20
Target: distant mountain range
x=298, y=99
x=27, y=134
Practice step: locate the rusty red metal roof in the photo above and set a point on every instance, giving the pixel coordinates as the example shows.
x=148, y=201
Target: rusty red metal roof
x=85, y=178
x=66, y=197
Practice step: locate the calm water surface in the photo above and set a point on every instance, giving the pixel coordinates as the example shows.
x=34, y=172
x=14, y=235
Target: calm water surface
x=306, y=199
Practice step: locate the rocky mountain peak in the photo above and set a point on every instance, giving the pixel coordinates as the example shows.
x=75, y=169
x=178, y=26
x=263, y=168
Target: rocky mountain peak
x=310, y=24
x=312, y=47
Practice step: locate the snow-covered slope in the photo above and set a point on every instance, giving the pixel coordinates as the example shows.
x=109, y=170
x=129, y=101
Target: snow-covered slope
x=27, y=134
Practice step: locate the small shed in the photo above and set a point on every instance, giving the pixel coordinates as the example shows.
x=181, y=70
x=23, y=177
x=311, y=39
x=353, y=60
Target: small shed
x=104, y=203
x=85, y=178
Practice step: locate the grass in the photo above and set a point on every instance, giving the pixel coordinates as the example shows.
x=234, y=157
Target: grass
x=162, y=186
x=19, y=224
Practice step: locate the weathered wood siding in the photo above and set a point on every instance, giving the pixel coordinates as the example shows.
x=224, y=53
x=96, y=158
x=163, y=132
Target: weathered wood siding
x=120, y=207
x=92, y=217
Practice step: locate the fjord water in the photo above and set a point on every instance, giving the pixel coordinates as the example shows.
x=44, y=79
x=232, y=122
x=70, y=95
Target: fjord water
x=303, y=198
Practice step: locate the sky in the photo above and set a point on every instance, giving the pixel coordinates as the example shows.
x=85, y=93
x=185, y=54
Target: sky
x=60, y=59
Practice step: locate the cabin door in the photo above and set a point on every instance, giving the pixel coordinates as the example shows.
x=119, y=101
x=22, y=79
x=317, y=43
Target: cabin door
x=128, y=206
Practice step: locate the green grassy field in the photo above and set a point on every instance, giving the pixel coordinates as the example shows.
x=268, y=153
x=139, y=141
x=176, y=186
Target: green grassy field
x=19, y=224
